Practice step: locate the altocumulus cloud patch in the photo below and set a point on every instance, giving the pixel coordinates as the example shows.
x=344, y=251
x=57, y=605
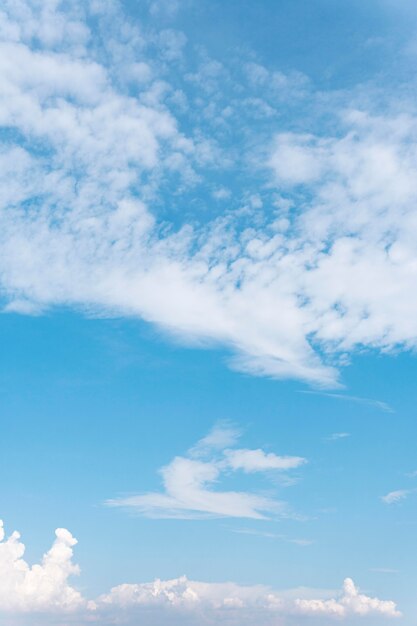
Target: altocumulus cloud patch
x=310, y=260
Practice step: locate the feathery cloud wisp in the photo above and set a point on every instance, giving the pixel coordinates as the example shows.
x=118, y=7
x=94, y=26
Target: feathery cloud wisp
x=292, y=278
x=188, y=481
x=396, y=496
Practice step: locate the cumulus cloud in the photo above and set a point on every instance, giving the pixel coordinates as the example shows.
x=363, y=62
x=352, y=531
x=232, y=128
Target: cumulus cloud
x=189, y=482
x=378, y=404
x=351, y=602
x=220, y=601
x=87, y=159
x=43, y=588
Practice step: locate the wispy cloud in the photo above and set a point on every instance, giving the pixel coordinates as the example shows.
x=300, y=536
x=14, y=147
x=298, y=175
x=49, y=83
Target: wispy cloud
x=259, y=461
x=393, y=497
x=337, y=436
x=251, y=603
x=378, y=404
x=277, y=536
x=223, y=435
x=43, y=587
x=189, y=482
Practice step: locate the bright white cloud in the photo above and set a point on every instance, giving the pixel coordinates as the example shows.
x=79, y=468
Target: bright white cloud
x=220, y=437
x=378, y=404
x=44, y=588
x=188, y=494
x=260, y=461
x=351, y=602
x=189, y=482
x=86, y=160
x=292, y=278
x=270, y=535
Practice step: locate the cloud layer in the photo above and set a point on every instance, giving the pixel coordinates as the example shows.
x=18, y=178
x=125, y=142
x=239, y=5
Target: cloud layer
x=44, y=589
x=189, y=482
x=312, y=258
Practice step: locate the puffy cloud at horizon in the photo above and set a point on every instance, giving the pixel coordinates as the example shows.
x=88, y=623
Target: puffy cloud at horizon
x=311, y=260
x=228, y=601
x=44, y=589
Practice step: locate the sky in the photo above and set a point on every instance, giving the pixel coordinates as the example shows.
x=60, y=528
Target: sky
x=208, y=264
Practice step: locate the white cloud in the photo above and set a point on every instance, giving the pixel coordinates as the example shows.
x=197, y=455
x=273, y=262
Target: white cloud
x=76, y=226
x=269, y=535
x=217, y=599
x=188, y=482
x=43, y=588
x=221, y=193
x=396, y=496
x=351, y=602
x=260, y=461
x=188, y=494
x=92, y=157
x=337, y=436
x=220, y=437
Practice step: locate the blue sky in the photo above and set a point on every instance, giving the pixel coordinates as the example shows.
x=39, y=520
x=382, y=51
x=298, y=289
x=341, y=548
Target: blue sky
x=208, y=270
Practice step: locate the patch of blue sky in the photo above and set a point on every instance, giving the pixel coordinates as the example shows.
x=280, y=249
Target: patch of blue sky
x=282, y=266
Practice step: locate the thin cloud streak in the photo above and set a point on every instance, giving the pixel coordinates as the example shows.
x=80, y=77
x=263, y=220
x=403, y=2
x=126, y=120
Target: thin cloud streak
x=337, y=436
x=277, y=536
x=379, y=404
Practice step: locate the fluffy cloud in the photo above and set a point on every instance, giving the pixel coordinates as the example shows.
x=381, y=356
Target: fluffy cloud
x=44, y=588
x=86, y=158
x=226, y=601
x=188, y=482
x=292, y=277
x=350, y=602
x=260, y=461
x=396, y=496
